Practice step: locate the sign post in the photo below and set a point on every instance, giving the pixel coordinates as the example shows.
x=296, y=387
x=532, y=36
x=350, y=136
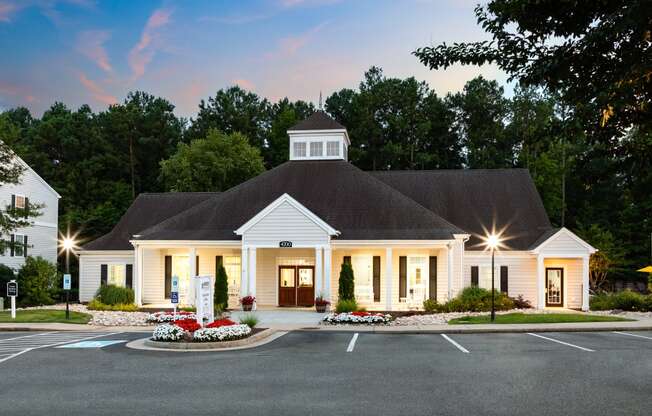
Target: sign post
x=204, y=299
x=66, y=286
x=12, y=292
x=174, y=294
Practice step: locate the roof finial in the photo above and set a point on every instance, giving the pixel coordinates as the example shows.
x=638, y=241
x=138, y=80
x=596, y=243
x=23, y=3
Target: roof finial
x=320, y=107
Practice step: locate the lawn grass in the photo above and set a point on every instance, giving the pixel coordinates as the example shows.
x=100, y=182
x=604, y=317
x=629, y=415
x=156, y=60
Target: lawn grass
x=532, y=318
x=44, y=315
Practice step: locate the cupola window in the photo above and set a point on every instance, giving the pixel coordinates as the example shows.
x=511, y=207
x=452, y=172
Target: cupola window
x=316, y=149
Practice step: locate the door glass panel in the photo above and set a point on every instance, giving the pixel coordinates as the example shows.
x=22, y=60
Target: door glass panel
x=181, y=269
x=554, y=286
x=417, y=269
x=305, y=278
x=287, y=277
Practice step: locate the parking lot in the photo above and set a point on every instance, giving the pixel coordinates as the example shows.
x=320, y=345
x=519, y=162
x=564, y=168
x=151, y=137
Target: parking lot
x=340, y=373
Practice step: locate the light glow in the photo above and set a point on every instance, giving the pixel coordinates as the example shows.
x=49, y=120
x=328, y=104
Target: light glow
x=68, y=243
x=493, y=241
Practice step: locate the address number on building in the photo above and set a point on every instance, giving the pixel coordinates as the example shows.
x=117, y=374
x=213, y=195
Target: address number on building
x=285, y=244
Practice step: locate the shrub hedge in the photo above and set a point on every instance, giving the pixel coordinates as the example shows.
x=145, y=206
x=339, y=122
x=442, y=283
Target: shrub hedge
x=626, y=300
x=96, y=305
x=346, y=305
x=472, y=299
x=114, y=295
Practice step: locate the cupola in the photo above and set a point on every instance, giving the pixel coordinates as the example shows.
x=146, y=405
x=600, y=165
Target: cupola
x=319, y=137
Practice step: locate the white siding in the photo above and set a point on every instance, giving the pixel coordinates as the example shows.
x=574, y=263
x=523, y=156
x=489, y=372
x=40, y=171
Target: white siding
x=563, y=243
x=90, y=272
x=285, y=223
x=522, y=273
x=42, y=235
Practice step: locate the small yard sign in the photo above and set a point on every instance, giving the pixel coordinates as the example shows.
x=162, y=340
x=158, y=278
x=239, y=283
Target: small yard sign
x=12, y=292
x=174, y=293
x=204, y=299
x=66, y=281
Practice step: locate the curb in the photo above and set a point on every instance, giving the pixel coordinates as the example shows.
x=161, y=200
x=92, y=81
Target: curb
x=453, y=330
x=253, y=341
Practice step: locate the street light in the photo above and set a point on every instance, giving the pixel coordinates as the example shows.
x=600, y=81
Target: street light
x=68, y=244
x=492, y=242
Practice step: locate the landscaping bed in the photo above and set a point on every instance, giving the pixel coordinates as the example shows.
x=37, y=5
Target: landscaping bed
x=357, y=318
x=534, y=318
x=45, y=316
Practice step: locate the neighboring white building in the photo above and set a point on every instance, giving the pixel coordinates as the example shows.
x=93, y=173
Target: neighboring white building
x=283, y=235
x=40, y=238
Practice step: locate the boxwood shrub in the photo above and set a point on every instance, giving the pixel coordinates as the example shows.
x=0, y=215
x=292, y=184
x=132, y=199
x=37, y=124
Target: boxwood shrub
x=626, y=300
x=471, y=299
x=114, y=295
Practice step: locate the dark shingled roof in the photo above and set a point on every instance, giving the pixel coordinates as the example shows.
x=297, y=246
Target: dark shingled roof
x=146, y=211
x=319, y=120
x=473, y=198
x=347, y=198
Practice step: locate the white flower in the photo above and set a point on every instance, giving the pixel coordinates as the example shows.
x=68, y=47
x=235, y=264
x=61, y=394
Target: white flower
x=223, y=333
x=167, y=332
x=162, y=317
x=350, y=318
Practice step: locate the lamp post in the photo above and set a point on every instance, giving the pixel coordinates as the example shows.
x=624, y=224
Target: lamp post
x=68, y=244
x=492, y=242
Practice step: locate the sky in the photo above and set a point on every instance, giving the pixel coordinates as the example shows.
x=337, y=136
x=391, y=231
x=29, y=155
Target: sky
x=94, y=52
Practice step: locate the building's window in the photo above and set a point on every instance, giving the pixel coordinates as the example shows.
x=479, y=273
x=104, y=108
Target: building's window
x=484, y=279
x=316, y=149
x=232, y=267
x=299, y=149
x=117, y=273
x=19, y=201
x=363, y=277
x=19, y=245
x=332, y=148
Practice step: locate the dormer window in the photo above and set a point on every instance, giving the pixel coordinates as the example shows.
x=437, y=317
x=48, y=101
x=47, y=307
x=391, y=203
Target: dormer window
x=316, y=149
x=300, y=149
x=332, y=148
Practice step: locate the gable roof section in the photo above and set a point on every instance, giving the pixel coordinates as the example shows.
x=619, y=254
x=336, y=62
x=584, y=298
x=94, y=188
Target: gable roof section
x=550, y=237
x=285, y=198
x=318, y=120
x=146, y=210
x=343, y=196
x=478, y=199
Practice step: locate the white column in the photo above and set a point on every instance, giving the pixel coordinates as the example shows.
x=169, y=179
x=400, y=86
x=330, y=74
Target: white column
x=192, y=260
x=319, y=286
x=327, y=273
x=389, y=278
x=252, y=271
x=585, y=283
x=244, y=267
x=541, y=283
x=449, y=267
x=137, y=279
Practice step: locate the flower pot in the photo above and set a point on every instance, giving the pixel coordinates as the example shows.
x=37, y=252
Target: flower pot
x=320, y=308
x=247, y=308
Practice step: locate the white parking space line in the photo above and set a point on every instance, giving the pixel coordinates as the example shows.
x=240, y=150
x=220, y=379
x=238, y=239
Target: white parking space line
x=561, y=342
x=17, y=346
x=632, y=335
x=458, y=346
x=352, y=343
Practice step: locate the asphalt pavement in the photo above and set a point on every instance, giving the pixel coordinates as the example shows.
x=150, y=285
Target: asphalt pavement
x=314, y=373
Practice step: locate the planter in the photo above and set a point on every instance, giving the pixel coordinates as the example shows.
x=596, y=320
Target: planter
x=321, y=308
x=247, y=308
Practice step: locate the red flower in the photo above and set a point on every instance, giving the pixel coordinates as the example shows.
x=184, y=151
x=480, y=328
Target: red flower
x=220, y=322
x=189, y=325
x=248, y=300
x=360, y=313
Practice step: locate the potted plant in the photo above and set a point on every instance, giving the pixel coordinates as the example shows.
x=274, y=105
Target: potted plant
x=321, y=304
x=247, y=302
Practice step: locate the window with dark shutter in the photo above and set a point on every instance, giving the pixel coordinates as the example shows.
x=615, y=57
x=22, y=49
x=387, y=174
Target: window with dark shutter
x=402, y=277
x=104, y=274
x=129, y=276
x=376, y=277
x=503, y=279
x=196, y=265
x=475, y=275
x=432, y=271
x=24, y=246
x=168, y=276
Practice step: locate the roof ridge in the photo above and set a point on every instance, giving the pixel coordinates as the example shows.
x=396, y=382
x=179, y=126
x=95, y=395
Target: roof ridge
x=465, y=170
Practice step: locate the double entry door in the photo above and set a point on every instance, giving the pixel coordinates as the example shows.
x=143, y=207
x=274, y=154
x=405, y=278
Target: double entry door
x=296, y=286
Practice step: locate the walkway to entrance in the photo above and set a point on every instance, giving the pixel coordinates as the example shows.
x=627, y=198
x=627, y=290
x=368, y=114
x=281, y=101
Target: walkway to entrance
x=282, y=317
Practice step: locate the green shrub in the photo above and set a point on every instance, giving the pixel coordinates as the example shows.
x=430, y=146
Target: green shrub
x=473, y=299
x=96, y=305
x=114, y=295
x=346, y=305
x=625, y=300
x=38, y=282
x=6, y=275
x=346, y=290
x=600, y=302
x=521, y=303
x=430, y=305
x=221, y=293
x=188, y=309
x=249, y=319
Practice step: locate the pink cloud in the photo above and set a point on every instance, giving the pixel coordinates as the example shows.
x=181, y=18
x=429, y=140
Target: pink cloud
x=290, y=45
x=96, y=91
x=7, y=9
x=143, y=53
x=91, y=45
x=244, y=84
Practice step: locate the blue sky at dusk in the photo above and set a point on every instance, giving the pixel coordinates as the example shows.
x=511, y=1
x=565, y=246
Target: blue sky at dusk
x=94, y=52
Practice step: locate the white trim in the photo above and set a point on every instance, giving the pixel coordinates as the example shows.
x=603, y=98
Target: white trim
x=125, y=253
x=321, y=133
x=51, y=189
x=186, y=243
x=499, y=253
x=395, y=243
x=44, y=224
x=295, y=204
x=569, y=233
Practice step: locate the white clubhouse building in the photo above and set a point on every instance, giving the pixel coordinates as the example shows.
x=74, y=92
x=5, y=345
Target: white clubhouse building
x=283, y=235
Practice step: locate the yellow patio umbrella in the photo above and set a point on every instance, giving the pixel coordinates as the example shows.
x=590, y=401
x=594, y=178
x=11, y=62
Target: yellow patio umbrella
x=647, y=269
